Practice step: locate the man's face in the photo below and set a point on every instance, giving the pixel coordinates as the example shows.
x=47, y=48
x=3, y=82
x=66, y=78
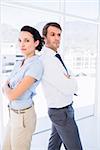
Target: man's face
x=52, y=40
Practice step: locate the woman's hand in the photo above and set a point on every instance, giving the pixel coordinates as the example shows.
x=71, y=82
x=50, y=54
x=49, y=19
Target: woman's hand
x=14, y=93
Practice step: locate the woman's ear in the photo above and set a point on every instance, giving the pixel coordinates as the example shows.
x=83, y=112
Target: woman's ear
x=36, y=43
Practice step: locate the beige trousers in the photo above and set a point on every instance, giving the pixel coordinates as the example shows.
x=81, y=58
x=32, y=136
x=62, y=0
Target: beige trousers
x=19, y=130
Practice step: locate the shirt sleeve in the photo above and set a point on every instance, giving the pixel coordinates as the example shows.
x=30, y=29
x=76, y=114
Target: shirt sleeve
x=35, y=70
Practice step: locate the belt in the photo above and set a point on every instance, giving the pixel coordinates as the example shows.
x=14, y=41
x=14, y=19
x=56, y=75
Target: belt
x=66, y=106
x=19, y=111
x=63, y=107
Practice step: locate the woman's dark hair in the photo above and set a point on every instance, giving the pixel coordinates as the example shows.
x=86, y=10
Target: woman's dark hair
x=53, y=24
x=36, y=35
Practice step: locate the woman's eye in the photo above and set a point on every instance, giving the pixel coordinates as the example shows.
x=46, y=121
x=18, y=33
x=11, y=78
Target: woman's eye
x=27, y=40
x=19, y=40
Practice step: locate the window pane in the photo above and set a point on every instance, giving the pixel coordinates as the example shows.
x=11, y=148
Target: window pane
x=43, y=4
x=83, y=8
x=40, y=4
x=80, y=55
x=26, y=16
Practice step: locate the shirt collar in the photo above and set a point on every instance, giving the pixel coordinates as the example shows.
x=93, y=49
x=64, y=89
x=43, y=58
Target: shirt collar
x=30, y=59
x=48, y=51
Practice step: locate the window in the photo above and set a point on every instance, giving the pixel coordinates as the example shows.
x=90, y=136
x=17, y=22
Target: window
x=79, y=21
x=82, y=8
x=81, y=48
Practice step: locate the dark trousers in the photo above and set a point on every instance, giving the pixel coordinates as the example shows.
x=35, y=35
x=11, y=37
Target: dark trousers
x=64, y=129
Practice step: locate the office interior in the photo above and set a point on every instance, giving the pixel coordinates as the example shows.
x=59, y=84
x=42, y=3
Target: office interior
x=80, y=48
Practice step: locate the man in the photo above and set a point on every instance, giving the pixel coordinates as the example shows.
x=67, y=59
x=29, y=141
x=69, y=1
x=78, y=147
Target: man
x=59, y=89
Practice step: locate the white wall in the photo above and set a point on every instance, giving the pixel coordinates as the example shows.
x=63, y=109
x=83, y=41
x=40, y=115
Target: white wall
x=97, y=105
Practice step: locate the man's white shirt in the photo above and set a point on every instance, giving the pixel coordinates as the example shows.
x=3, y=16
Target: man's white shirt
x=58, y=89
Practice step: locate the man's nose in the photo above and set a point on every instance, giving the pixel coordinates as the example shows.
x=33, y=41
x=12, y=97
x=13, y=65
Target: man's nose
x=57, y=37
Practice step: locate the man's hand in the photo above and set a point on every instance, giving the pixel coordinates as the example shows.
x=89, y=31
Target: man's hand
x=67, y=75
x=5, y=87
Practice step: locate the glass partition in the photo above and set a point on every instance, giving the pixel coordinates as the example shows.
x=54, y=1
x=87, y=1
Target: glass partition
x=83, y=8
x=79, y=43
x=80, y=55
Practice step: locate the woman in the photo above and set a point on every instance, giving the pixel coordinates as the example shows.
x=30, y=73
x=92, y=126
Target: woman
x=20, y=89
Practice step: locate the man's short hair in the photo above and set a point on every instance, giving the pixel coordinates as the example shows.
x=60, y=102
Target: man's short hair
x=53, y=24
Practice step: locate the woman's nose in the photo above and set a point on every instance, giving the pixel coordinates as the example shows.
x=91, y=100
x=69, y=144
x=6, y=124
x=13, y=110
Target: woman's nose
x=22, y=44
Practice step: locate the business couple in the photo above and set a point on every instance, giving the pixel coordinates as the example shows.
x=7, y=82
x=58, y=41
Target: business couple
x=58, y=86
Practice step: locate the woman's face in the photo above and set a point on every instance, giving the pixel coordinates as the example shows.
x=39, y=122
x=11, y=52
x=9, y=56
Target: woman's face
x=27, y=44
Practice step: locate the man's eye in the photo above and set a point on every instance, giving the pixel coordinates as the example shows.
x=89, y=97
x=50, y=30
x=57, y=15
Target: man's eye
x=52, y=34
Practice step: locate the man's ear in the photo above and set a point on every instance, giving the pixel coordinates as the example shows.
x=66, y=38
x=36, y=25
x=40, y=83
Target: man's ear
x=44, y=38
